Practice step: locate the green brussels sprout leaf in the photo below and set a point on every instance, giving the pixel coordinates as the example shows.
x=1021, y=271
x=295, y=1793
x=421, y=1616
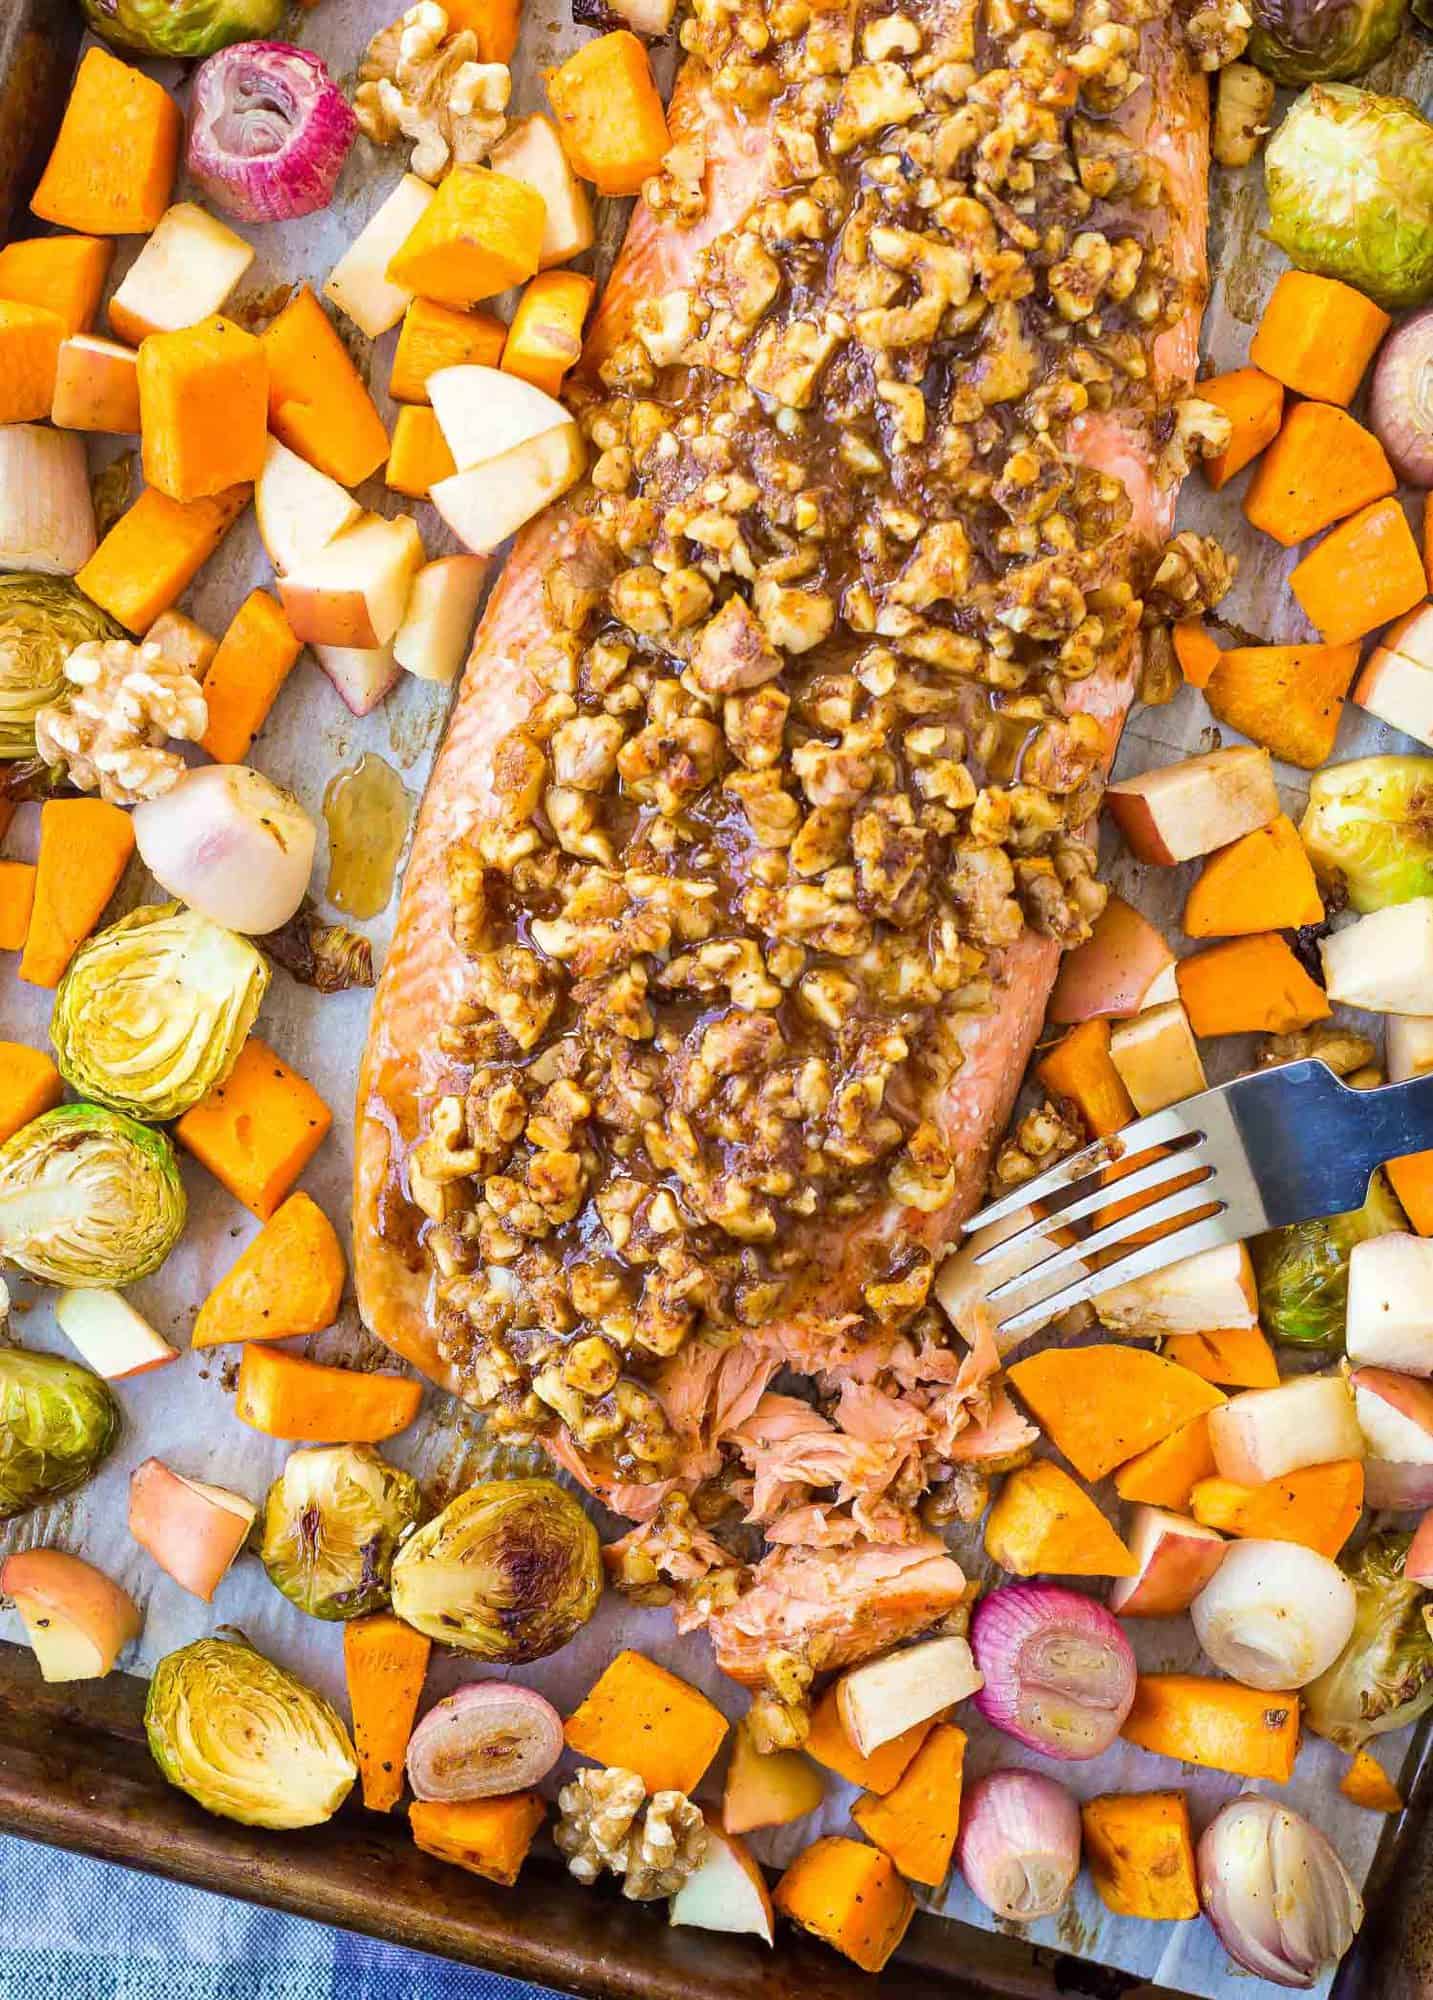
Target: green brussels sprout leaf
x=42, y=620
x=1302, y=1271
x=154, y=1010
x=1369, y=827
x=246, y=1739
x=332, y=1522
x=57, y=1423
x=1383, y=1678
x=182, y=28
x=509, y=1571
x=89, y=1197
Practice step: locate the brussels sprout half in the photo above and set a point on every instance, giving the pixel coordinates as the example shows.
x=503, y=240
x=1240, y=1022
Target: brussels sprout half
x=1321, y=41
x=42, y=620
x=89, y=1197
x=509, y=1571
x=1383, y=1678
x=153, y=1010
x=332, y=1521
x=246, y=1739
x=1369, y=825
x=1302, y=1271
x=1349, y=176
x=182, y=28
x=57, y=1423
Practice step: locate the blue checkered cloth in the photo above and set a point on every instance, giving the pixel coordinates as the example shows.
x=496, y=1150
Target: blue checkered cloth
x=76, y=1929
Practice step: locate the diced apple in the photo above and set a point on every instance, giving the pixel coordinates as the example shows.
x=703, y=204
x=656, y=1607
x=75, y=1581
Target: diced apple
x=886, y=1697
x=1214, y=1288
x=1399, y=692
x=483, y=413
x=1395, y=1414
x=363, y=675
x=299, y=509
x=1113, y=971
x=193, y=1530
x=96, y=386
x=111, y=1336
x=1390, y=1303
x=359, y=284
x=1176, y=1558
x=963, y=1287
x=1163, y=988
x=1384, y=961
x=183, y=642
x=1408, y=1046
x=77, y=1621
x=353, y=591
x=1264, y=1433
x=726, y=1891
x=184, y=273
x=1157, y=1057
x=1411, y=636
x=767, y=1788
x=531, y=151
x=437, y=628
x=1418, y=1563
x=1188, y=809
x=487, y=503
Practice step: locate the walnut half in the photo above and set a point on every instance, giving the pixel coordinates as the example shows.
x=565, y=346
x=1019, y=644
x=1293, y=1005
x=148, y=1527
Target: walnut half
x=607, y=1823
x=422, y=82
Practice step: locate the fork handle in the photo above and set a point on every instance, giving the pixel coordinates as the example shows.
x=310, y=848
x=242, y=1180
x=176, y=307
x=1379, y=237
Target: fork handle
x=1384, y=1124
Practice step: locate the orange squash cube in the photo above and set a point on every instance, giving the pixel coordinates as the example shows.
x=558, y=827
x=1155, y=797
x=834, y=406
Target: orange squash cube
x=17, y=899
x=114, y=161
x=153, y=553
x=252, y=663
x=64, y=274
x=609, y=113
x=640, y=1718
x=480, y=233
x=545, y=338
x=29, y=355
x=419, y=456
x=488, y=1837
x=850, y=1896
x=318, y=405
x=258, y=1130
x=203, y=408
x=433, y=337
x=29, y=1084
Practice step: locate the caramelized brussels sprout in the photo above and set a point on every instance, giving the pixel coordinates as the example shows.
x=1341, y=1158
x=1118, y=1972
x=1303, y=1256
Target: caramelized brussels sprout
x=42, y=620
x=57, y=1423
x=1383, y=1678
x=245, y=1739
x=1302, y=1271
x=1321, y=41
x=1349, y=175
x=89, y=1197
x=181, y=28
x=333, y=1519
x=1369, y=826
x=153, y=1010
x=510, y=1571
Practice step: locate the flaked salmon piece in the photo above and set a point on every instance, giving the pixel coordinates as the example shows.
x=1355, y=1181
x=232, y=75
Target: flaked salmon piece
x=789, y=1447
x=828, y=1607
x=819, y=1525
x=999, y=1439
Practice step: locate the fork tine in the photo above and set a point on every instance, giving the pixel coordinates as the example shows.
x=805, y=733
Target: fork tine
x=1185, y=1202
x=1209, y=1234
x=1156, y=1130
x=1169, y=1166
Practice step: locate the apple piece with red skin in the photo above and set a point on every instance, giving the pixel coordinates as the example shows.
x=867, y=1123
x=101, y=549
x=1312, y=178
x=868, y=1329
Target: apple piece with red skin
x=882, y=1699
x=299, y=510
x=1395, y=1414
x=77, y=1621
x=1112, y=972
x=726, y=1891
x=194, y=1531
x=353, y=591
x=110, y=1335
x=363, y=675
x=96, y=386
x=491, y=501
x=767, y=1788
x=437, y=628
x=1176, y=1558
x=1184, y=810
x=1264, y=1433
x=1399, y=691
x=1389, y=1322
x=484, y=413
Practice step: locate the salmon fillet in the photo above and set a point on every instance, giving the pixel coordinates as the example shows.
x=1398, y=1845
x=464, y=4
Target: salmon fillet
x=897, y=1396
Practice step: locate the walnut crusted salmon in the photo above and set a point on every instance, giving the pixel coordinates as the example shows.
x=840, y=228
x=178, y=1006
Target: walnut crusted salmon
x=763, y=815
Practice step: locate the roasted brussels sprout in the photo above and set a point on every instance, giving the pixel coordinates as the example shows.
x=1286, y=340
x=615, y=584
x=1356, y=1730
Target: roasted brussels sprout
x=42, y=620
x=510, y=1571
x=154, y=1010
x=1349, y=176
x=182, y=28
x=89, y=1197
x=57, y=1423
x=245, y=1739
x=1321, y=41
x=1369, y=826
x=1302, y=1271
x=332, y=1522
x=1383, y=1678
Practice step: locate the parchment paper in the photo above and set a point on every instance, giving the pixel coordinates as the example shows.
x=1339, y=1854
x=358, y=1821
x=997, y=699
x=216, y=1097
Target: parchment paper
x=183, y=1413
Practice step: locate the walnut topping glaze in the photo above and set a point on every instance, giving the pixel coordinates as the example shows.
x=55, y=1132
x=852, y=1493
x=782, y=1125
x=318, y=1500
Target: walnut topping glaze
x=810, y=753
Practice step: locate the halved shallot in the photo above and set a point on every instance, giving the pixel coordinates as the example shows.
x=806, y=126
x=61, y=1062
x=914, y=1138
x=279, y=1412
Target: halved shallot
x=269, y=131
x=488, y=1737
x=1278, y=1896
x=1274, y=1614
x=1019, y=1845
x=1059, y=1672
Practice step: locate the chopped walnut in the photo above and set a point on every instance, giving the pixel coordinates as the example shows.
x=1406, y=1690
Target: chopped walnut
x=607, y=1823
x=1041, y=1138
x=1217, y=31
x=128, y=702
x=1194, y=575
x=1343, y=1049
x=420, y=80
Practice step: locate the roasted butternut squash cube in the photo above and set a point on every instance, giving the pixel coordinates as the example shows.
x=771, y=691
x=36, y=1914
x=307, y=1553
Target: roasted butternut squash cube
x=488, y=1837
x=609, y=113
x=643, y=1719
x=433, y=337
x=152, y=554
x=1141, y=1854
x=850, y=1896
x=17, y=898
x=30, y=340
x=480, y=233
x=419, y=457
x=250, y=665
x=203, y=409
x=64, y=274
x=114, y=161
x=258, y=1130
x=29, y=1084
x=545, y=338
x=318, y=405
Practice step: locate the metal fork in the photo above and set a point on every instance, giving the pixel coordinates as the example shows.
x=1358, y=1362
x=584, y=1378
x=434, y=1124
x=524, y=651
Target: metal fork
x=1278, y=1146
